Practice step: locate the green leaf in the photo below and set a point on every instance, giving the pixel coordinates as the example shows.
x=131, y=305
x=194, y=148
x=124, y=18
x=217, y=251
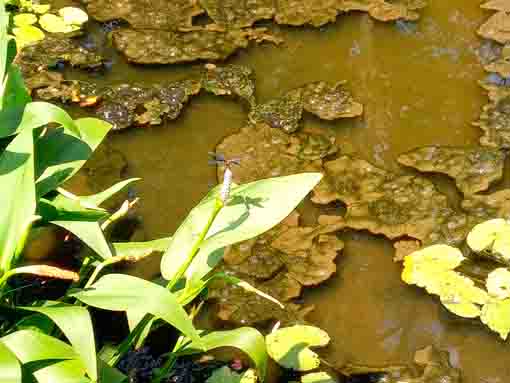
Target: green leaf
x=60, y=154
x=76, y=324
x=318, y=377
x=27, y=34
x=246, y=339
x=9, y=366
x=73, y=15
x=251, y=210
x=493, y=236
x=14, y=101
x=460, y=295
x=119, y=292
x=289, y=346
x=109, y=374
x=17, y=199
x=90, y=233
x=22, y=19
x=138, y=250
x=66, y=209
x=498, y=283
x=34, y=346
x=426, y=265
x=56, y=24
x=496, y=315
x=99, y=198
x=4, y=40
x=226, y=375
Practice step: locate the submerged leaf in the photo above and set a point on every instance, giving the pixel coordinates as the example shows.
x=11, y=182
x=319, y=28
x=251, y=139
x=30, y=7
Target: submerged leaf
x=289, y=346
x=496, y=315
x=498, y=283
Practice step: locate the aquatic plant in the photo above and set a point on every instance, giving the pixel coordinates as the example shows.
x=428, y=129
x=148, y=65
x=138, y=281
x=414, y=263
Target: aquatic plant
x=435, y=268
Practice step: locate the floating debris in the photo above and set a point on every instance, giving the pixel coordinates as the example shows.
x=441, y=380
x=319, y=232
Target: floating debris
x=473, y=169
x=279, y=262
x=230, y=80
x=330, y=102
x=151, y=46
x=484, y=207
x=501, y=65
x=281, y=113
x=495, y=119
x=497, y=28
x=141, y=14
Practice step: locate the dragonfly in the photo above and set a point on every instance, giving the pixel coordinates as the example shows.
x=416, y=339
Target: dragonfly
x=219, y=159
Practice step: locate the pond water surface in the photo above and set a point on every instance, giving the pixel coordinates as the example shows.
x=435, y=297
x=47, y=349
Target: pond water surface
x=418, y=83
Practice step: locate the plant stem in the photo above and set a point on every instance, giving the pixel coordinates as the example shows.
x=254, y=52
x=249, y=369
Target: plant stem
x=194, y=251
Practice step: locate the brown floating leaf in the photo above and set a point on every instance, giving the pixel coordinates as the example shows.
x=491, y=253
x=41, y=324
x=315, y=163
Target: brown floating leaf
x=501, y=65
x=230, y=80
x=495, y=120
x=301, y=12
x=405, y=247
x=497, y=5
x=496, y=28
x=473, y=169
x=150, y=46
x=330, y=102
x=484, y=207
x=238, y=14
x=154, y=14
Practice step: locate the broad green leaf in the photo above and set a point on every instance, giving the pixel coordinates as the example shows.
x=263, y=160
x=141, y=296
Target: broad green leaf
x=290, y=346
x=76, y=324
x=138, y=250
x=318, y=377
x=4, y=40
x=34, y=346
x=14, y=100
x=73, y=15
x=109, y=374
x=251, y=210
x=99, y=198
x=56, y=24
x=60, y=154
x=119, y=292
x=246, y=339
x=27, y=34
x=493, y=236
x=37, y=114
x=66, y=209
x=52, y=371
x=90, y=233
x=22, y=19
x=427, y=264
x=10, y=368
x=17, y=199
x=496, y=315
x=498, y=283
x=226, y=375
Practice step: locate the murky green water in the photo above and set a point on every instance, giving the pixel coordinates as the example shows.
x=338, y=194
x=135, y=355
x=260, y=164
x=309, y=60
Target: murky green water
x=419, y=87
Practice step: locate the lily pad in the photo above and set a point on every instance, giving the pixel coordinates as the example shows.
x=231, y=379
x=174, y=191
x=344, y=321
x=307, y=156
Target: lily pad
x=22, y=19
x=498, y=283
x=226, y=375
x=153, y=14
x=282, y=113
x=230, y=80
x=496, y=28
x=330, y=102
x=473, y=169
x=233, y=13
x=318, y=377
x=492, y=237
x=27, y=34
x=496, y=315
x=56, y=24
x=151, y=46
x=290, y=346
x=73, y=15
x=386, y=203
